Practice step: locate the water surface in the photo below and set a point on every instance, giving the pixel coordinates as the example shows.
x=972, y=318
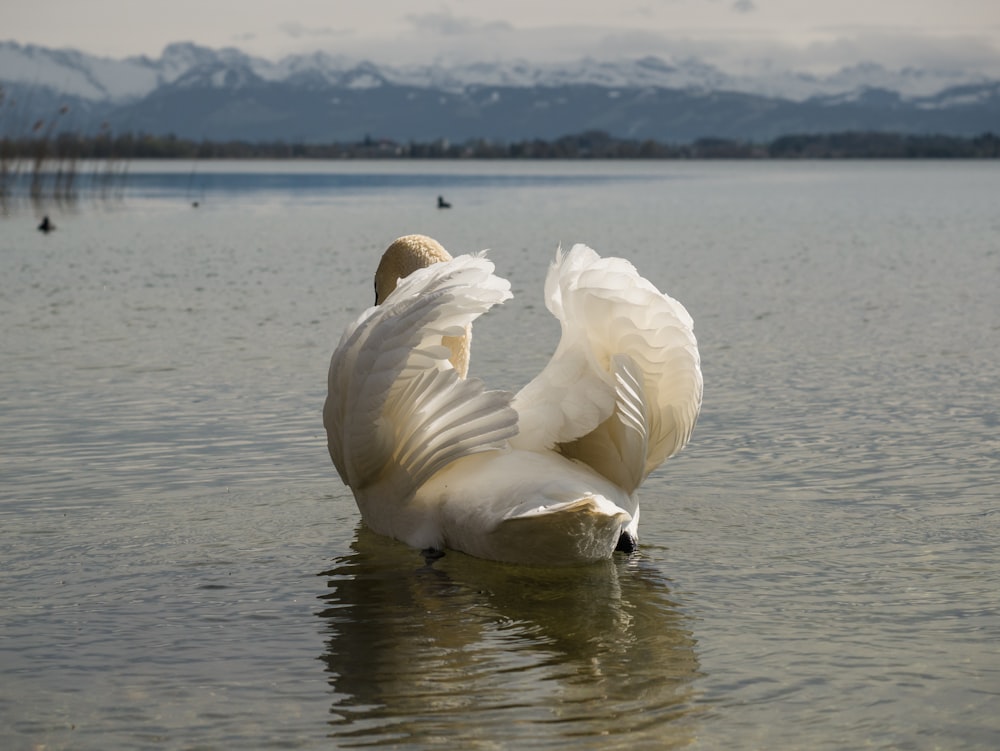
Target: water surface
x=818, y=569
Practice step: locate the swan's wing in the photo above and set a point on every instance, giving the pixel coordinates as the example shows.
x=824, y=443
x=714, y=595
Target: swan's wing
x=617, y=448
x=396, y=411
x=623, y=390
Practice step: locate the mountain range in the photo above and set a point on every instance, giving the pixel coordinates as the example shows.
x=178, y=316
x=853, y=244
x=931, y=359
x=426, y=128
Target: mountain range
x=197, y=92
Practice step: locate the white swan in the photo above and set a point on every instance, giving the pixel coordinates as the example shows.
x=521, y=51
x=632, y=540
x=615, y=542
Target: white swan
x=548, y=476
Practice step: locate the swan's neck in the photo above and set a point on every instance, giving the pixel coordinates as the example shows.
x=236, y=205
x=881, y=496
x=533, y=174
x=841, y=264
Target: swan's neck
x=459, y=346
x=402, y=258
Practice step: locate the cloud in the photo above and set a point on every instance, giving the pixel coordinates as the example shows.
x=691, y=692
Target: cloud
x=835, y=49
x=446, y=23
x=899, y=50
x=449, y=38
x=296, y=30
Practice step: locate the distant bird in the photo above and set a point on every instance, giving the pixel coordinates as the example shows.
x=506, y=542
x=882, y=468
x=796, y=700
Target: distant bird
x=46, y=226
x=443, y=204
x=437, y=460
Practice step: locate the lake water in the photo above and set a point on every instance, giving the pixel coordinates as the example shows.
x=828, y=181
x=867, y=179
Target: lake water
x=180, y=566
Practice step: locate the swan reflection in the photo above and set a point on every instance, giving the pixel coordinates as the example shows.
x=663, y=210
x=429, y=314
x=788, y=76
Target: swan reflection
x=489, y=654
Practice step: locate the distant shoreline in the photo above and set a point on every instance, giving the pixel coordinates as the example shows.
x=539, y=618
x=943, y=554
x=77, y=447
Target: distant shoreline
x=21, y=154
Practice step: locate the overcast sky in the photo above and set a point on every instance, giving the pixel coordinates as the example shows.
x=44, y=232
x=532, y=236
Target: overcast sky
x=819, y=35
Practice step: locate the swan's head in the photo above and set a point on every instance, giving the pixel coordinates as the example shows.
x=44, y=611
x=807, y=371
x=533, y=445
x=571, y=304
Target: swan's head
x=402, y=258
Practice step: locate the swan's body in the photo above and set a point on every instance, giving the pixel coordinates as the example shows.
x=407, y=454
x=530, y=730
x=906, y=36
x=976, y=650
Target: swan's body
x=548, y=476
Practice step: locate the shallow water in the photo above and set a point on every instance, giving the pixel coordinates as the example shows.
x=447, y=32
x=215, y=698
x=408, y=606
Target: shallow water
x=818, y=569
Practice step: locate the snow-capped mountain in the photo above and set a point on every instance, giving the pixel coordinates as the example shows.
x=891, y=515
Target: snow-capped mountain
x=99, y=78
x=200, y=92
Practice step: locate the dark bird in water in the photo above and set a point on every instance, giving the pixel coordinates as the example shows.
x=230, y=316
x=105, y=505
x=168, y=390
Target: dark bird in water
x=443, y=204
x=46, y=226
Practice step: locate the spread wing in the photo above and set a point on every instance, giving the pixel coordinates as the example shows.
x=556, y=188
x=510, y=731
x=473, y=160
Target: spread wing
x=396, y=410
x=623, y=389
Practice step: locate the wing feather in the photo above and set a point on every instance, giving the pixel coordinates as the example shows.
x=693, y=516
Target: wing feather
x=623, y=389
x=396, y=410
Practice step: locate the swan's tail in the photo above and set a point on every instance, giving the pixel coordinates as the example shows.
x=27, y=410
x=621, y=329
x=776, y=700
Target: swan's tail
x=623, y=390
x=564, y=534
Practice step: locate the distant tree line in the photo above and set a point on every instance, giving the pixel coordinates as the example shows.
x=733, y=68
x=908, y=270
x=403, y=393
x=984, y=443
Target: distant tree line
x=54, y=148
x=884, y=146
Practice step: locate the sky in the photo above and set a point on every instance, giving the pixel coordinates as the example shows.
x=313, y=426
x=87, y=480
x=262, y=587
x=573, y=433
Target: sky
x=810, y=35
